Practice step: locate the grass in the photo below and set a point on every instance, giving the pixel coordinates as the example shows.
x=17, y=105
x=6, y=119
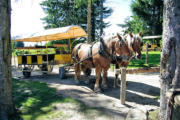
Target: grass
x=153, y=60
x=36, y=101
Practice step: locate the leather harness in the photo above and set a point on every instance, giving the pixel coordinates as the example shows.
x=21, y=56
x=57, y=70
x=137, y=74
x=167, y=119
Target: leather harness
x=102, y=51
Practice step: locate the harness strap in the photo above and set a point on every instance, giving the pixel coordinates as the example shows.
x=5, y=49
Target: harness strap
x=90, y=53
x=76, y=55
x=86, y=58
x=112, y=52
x=103, y=49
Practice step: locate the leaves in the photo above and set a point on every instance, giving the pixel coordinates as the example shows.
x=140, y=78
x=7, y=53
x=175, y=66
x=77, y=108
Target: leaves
x=62, y=13
x=147, y=17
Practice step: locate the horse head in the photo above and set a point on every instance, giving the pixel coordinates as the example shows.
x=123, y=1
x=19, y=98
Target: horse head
x=122, y=50
x=135, y=44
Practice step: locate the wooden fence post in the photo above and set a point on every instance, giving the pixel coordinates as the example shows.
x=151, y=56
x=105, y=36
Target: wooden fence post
x=123, y=85
x=146, y=53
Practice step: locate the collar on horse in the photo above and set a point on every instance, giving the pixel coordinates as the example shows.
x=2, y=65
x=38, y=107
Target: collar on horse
x=103, y=50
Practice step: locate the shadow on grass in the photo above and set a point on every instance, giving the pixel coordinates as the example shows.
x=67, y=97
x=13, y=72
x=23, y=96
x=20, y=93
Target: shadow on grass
x=35, y=100
x=132, y=87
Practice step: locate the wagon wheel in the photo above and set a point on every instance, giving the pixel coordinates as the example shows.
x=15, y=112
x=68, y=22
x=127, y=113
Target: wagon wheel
x=62, y=72
x=44, y=67
x=26, y=72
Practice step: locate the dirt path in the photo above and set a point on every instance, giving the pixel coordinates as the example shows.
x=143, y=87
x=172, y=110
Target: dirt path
x=142, y=91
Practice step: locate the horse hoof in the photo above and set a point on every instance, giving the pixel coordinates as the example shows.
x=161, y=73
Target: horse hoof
x=98, y=90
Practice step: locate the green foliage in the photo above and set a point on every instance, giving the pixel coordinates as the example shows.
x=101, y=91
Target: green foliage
x=73, y=12
x=33, y=51
x=134, y=24
x=17, y=44
x=147, y=16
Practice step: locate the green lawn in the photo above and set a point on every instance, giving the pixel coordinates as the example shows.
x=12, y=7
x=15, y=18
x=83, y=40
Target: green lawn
x=153, y=60
x=36, y=101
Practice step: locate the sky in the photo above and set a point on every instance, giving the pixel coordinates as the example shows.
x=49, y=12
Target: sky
x=121, y=10
x=26, y=16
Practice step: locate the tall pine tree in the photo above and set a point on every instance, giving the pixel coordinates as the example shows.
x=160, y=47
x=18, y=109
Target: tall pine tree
x=147, y=16
x=74, y=12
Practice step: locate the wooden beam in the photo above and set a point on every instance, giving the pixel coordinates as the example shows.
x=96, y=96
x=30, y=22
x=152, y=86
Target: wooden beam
x=60, y=45
x=152, y=37
x=146, y=53
x=123, y=85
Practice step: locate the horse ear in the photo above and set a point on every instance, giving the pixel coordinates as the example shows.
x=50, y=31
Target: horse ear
x=131, y=35
x=119, y=37
x=140, y=34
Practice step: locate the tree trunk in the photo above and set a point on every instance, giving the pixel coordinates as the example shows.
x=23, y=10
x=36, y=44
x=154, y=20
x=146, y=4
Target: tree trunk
x=170, y=57
x=6, y=102
x=93, y=23
x=101, y=18
x=67, y=13
x=89, y=21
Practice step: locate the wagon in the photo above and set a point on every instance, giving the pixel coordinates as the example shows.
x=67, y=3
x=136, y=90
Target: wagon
x=46, y=60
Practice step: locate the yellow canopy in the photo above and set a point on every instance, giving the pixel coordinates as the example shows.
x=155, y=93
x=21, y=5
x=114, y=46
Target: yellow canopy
x=54, y=34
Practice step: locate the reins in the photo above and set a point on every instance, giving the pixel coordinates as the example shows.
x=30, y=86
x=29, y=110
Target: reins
x=86, y=58
x=89, y=56
x=102, y=51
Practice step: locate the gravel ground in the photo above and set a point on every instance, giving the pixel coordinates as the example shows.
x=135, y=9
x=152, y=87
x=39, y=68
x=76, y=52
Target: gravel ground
x=142, y=91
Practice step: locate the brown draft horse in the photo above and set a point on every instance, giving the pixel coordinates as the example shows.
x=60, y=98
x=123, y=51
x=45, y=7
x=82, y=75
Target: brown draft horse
x=135, y=44
x=99, y=55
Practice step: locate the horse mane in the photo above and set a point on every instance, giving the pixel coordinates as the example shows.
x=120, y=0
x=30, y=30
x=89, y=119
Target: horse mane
x=137, y=36
x=107, y=40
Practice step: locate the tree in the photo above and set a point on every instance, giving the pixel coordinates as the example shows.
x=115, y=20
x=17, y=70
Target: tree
x=101, y=17
x=135, y=25
x=89, y=21
x=77, y=12
x=99, y=12
x=149, y=14
x=18, y=44
x=6, y=102
x=170, y=58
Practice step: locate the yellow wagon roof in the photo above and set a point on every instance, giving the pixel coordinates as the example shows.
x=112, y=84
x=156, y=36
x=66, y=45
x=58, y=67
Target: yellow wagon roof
x=54, y=34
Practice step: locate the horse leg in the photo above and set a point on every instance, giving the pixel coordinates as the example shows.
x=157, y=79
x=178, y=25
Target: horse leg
x=104, y=84
x=86, y=72
x=118, y=71
x=116, y=84
x=98, y=75
x=77, y=72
